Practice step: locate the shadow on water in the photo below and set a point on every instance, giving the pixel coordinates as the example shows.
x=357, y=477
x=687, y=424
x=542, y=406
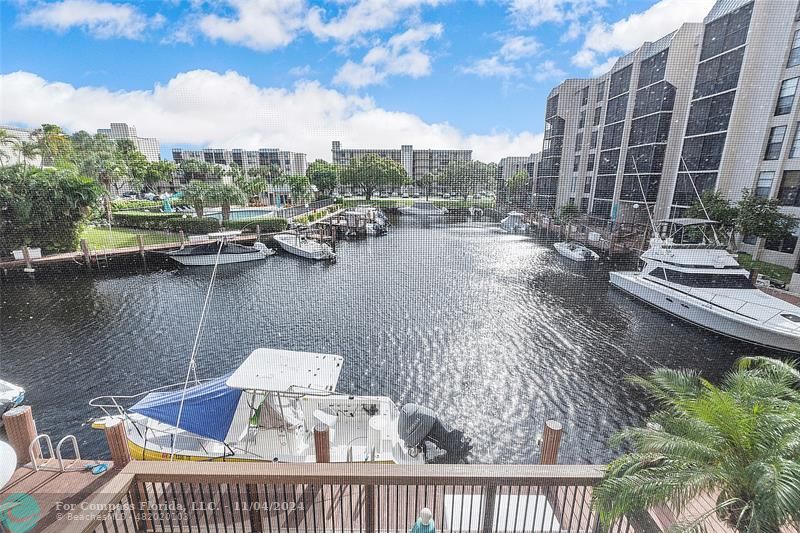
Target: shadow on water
x=497, y=332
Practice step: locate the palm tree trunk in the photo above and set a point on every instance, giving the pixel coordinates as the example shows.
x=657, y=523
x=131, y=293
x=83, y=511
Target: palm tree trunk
x=226, y=211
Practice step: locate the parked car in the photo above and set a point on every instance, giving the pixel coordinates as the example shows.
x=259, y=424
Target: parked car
x=416, y=195
x=446, y=196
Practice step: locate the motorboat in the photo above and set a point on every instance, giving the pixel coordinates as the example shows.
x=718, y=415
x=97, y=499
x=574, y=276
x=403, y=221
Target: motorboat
x=221, y=252
x=421, y=208
x=376, y=221
x=475, y=212
x=514, y=223
x=687, y=272
x=302, y=246
x=10, y=396
x=267, y=410
x=575, y=251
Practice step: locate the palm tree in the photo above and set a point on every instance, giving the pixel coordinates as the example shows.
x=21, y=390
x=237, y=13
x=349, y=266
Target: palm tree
x=740, y=440
x=28, y=151
x=6, y=139
x=197, y=194
x=226, y=194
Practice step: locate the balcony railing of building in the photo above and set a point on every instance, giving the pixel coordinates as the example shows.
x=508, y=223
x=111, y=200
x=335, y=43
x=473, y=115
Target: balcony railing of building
x=369, y=497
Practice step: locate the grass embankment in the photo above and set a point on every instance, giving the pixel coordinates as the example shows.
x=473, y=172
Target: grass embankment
x=100, y=238
x=780, y=273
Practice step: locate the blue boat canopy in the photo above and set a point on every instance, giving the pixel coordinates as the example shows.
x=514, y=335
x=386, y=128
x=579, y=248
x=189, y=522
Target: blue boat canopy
x=208, y=408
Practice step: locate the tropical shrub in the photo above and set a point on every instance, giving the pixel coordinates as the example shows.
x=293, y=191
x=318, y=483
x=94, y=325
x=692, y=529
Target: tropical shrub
x=192, y=225
x=165, y=222
x=740, y=440
x=145, y=205
x=43, y=207
x=268, y=224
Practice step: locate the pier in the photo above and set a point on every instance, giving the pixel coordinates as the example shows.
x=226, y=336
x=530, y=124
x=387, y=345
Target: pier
x=610, y=240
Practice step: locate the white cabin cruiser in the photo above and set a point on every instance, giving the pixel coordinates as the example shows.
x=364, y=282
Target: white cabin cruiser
x=377, y=223
x=513, y=223
x=575, y=251
x=10, y=396
x=687, y=273
x=420, y=208
x=301, y=246
x=209, y=254
x=266, y=410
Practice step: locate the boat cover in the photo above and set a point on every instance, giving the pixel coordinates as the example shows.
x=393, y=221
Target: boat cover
x=208, y=408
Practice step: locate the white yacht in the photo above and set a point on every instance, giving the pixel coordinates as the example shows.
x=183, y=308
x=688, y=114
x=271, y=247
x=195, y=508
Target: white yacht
x=210, y=254
x=377, y=222
x=513, y=223
x=687, y=273
x=266, y=410
x=10, y=396
x=301, y=246
x=420, y=208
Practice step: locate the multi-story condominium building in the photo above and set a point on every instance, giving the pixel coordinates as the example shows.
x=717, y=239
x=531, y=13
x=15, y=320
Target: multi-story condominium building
x=710, y=106
x=294, y=163
x=416, y=163
x=10, y=153
x=148, y=146
x=513, y=164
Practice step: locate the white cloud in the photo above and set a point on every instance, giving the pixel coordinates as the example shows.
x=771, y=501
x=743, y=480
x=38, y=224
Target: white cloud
x=491, y=67
x=206, y=108
x=629, y=33
x=257, y=24
x=535, y=12
x=103, y=20
x=363, y=16
x=504, y=62
x=548, y=70
x=401, y=55
x=300, y=71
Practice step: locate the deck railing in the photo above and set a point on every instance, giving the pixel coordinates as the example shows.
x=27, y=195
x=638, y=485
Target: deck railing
x=369, y=497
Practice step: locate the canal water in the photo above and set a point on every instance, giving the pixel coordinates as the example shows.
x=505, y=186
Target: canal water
x=496, y=332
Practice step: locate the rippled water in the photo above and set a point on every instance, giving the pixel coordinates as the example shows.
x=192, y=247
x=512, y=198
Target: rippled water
x=497, y=332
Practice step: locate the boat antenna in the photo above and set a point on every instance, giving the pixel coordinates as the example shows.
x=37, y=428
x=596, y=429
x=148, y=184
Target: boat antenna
x=699, y=199
x=192, y=370
x=644, y=196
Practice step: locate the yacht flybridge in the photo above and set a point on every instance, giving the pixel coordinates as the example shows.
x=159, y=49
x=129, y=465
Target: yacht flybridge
x=687, y=273
x=266, y=410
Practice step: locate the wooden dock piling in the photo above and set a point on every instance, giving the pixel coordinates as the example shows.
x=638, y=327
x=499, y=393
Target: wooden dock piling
x=117, y=442
x=140, y=243
x=258, y=232
x=551, y=442
x=26, y=254
x=322, y=445
x=87, y=257
x=21, y=430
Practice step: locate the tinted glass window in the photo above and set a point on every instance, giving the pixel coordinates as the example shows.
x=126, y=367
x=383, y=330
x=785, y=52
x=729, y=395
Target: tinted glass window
x=710, y=114
x=585, y=96
x=582, y=120
x=546, y=185
x=703, y=153
x=601, y=208
x=593, y=140
x=598, y=111
x=659, y=97
x=726, y=32
x=601, y=91
x=789, y=192
x=612, y=135
x=794, y=55
x=764, y=183
x=645, y=159
x=633, y=184
x=652, y=69
x=706, y=281
x=552, y=106
x=684, y=191
x=616, y=109
x=786, y=97
x=775, y=142
x=784, y=245
x=650, y=129
x=719, y=74
x=620, y=82
x=590, y=162
x=608, y=162
x=604, y=187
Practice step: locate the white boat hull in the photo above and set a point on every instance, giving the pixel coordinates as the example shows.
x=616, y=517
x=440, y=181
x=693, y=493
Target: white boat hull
x=224, y=259
x=705, y=314
x=579, y=253
x=314, y=251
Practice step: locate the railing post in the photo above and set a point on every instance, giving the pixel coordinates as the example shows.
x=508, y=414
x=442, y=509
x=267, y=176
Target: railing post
x=21, y=430
x=322, y=446
x=369, y=507
x=551, y=441
x=254, y=510
x=140, y=241
x=87, y=258
x=183, y=239
x=26, y=254
x=488, y=508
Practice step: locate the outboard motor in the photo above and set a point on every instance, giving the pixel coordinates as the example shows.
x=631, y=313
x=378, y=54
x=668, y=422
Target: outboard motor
x=419, y=425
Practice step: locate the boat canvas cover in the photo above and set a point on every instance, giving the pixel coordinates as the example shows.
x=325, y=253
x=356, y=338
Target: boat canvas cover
x=287, y=371
x=208, y=408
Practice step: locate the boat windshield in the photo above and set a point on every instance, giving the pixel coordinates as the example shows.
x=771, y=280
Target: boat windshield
x=703, y=280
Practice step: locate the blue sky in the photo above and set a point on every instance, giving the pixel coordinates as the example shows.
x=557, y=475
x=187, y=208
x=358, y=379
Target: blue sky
x=300, y=73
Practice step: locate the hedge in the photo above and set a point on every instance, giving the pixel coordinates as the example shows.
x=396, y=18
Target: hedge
x=268, y=224
x=165, y=222
x=144, y=205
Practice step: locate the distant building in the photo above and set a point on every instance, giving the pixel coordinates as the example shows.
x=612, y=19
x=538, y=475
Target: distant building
x=513, y=164
x=148, y=146
x=711, y=106
x=294, y=163
x=9, y=153
x=416, y=163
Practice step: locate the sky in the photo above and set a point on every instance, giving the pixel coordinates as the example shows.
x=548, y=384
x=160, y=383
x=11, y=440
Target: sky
x=298, y=74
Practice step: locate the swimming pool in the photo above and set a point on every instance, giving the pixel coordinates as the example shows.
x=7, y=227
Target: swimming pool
x=243, y=214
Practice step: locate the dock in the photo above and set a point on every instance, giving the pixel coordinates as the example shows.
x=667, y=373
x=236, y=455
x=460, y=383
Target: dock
x=606, y=239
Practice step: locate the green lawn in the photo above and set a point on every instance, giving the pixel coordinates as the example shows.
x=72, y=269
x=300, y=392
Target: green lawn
x=101, y=238
x=778, y=272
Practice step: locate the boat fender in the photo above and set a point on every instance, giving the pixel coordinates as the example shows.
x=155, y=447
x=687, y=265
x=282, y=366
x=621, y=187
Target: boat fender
x=260, y=246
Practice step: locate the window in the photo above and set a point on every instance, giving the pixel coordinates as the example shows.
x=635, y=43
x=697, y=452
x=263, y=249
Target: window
x=587, y=186
x=601, y=91
x=764, y=183
x=598, y=111
x=645, y=159
x=775, y=142
x=703, y=153
x=785, y=244
x=789, y=192
x=612, y=135
x=705, y=281
x=608, y=162
x=604, y=187
x=632, y=185
x=710, y=114
x=658, y=97
x=576, y=164
x=582, y=119
x=685, y=190
x=584, y=205
x=593, y=140
x=620, y=82
x=794, y=152
x=652, y=69
x=719, y=74
x=786, y=97
x=590, y=162
x=650, y=129
x=578, y=141
x=794, y=55
x=552, y=106
x=616, y=109
x=726, y=33
x=585, y=95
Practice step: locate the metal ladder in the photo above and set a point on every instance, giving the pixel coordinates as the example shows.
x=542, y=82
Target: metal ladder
x=47, y=462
